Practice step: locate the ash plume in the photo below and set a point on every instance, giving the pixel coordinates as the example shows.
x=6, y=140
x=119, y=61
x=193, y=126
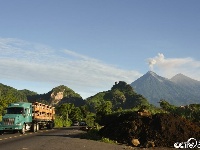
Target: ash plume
x=155, y=60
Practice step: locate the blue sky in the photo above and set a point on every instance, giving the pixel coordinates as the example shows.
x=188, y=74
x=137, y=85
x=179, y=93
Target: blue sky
x=87, y=45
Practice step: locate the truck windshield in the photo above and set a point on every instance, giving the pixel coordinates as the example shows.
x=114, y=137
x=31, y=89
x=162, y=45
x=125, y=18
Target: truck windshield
x=15, y=110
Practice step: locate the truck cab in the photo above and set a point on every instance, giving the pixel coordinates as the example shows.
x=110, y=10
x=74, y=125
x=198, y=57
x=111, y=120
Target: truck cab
x=17, y=118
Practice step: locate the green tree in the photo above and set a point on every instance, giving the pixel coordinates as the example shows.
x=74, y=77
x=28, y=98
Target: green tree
x=65, y=110
x=84, y=110
x=104, y=109
x=76, y=114
x=167, y=106
x=118, y=98
x=90, y=120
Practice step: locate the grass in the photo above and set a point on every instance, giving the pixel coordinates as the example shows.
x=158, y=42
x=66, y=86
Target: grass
x=107, y=140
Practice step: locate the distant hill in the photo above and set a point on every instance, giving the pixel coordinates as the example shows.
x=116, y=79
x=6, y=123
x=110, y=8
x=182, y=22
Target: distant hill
x=11, y=94
x=28, y=92
x=57, y=96
x=187, y=83
x=8, y=95
x=180, y=90
x=121, y=95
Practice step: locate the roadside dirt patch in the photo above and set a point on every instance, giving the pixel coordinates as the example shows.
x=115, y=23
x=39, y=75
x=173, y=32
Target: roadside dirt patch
x=161, y=130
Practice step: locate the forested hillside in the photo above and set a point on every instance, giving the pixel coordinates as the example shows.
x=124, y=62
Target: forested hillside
x=58, y=95
x=121, y=96
x=8, y=95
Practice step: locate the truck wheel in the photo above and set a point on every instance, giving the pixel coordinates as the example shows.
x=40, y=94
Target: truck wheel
x=34, y=127
x=22, y=131
x=38, y=127
x=50, y=125
x=1, y=132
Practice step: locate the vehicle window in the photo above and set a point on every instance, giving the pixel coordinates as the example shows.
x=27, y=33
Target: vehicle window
x=15, y=110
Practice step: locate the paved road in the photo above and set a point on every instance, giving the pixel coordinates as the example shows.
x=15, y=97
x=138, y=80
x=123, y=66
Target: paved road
x=56, y=139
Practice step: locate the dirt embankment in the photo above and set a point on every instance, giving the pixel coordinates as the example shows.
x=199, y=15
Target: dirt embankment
x=160, y=130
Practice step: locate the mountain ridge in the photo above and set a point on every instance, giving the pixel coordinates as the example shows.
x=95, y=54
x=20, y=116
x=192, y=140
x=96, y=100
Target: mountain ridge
x=174, y=90
x=179, y=90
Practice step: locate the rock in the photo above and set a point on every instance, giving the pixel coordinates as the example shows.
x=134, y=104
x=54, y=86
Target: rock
x=135, y=142
x=56, y=98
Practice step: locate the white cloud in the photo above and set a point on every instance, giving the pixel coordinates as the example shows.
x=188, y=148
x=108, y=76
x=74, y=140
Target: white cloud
x=31, y=62
x=169, y=67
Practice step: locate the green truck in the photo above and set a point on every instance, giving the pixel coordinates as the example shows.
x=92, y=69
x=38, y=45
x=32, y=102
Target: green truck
x=23, y=116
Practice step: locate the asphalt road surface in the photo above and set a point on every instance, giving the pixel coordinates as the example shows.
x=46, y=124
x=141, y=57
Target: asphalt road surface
x=56, y=139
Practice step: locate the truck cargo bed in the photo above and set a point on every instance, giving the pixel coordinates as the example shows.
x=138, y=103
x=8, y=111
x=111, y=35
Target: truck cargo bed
x=42, y=112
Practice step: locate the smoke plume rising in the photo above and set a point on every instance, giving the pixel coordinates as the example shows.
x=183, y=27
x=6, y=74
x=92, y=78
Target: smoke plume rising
x=155, y=60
